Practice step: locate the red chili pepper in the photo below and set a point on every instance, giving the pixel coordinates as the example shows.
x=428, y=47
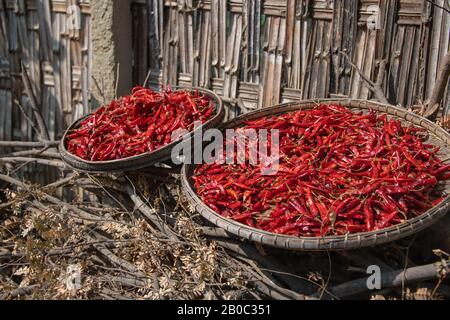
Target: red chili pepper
x=370, y=187
x=242, y=216
x=140, y=122
x=441, y=170
x=386, y=220
x=310, y=202
x=298, y=207
x=324, y=214
x=368, y=214
x=395, y=190
x=411, y=159
x=339, y=172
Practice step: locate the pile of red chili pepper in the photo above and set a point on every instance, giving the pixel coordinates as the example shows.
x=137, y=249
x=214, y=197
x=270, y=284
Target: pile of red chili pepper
x=339, y=172
x=141, y=122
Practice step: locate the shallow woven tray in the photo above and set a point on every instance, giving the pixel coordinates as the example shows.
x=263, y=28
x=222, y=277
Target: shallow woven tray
x=437, y=136
x=142, y=160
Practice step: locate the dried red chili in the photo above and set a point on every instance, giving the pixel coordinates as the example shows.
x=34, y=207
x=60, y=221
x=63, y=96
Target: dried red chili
x=141, y=122
x=339, y=172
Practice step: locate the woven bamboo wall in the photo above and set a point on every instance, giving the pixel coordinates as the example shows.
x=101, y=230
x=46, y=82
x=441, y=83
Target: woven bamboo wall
x=56, y=52
x=261, y=52
x=267, y=52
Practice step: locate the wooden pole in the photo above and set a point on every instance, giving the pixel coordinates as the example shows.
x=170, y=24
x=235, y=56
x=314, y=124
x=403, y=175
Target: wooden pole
x=111, y=47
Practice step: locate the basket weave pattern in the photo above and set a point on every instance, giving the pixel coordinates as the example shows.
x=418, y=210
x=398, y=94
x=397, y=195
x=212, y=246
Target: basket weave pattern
x=437, y=136
x=139, y=161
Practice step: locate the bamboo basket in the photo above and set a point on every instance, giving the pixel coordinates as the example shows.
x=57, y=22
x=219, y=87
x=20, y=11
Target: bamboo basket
x=436, y=135
x=142, y=160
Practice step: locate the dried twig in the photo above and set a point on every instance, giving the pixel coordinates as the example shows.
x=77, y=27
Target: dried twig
x=101, y=248
x=391, y=279
x=62, y=182
x=433, y=104
x=28, y=144
x=375, y=87
x=82, y=214
x=100, y=91
x=27, y=117
x=36, y=152
x=149, y=213
x=251, y=252
x=438, y=6
x=52, y=163
x=269, y=280
x=19, y=292
x=147, y=78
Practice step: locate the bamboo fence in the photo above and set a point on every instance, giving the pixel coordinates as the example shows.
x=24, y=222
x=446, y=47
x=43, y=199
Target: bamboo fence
x=56, y=52
x=253, y=53
x=261, y=53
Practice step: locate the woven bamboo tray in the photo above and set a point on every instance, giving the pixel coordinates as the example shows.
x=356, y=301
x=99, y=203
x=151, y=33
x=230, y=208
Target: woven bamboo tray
x=436, y=135
x=142, y=160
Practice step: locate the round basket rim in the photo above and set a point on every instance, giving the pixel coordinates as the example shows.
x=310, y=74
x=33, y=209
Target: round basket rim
x=160, y=154
x=342, y=242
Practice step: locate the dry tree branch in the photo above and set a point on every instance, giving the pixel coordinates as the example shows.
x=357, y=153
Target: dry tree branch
x=113, y=295
x=102, y=187
x=44, y=196
x=62, y=182
x=18, y=292
x=249, y=251
x=36, y=152
x=27, y=117
x=115, y=260
x=432, y=106
x=269, y=280
x=28, y=144
x=267, y=286
x=100, y=90
x=375, y=87
x=236, y=102
x=147, y=78
x=392, y=279
x=57, y=184
x=52, y=163
x=322, y=288
x=438, y=6
x=150, y=214
x=130, y=282
x=62, y=250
